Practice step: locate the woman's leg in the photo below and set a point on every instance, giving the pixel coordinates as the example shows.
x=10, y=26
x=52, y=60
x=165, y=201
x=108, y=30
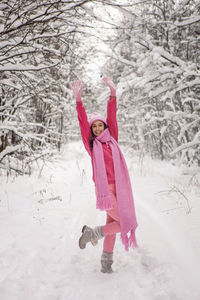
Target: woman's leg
x=112, y=223
x=113, y=213
x=109, y=240
x=109, y=230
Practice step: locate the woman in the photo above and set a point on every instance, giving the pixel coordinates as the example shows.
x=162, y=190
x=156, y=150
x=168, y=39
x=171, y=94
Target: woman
x=110, y=175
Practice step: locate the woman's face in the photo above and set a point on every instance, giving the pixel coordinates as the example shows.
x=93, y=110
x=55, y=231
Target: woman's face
x=97, y=127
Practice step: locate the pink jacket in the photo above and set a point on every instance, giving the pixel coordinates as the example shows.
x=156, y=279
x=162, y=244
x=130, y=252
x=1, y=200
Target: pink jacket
x=86, y=134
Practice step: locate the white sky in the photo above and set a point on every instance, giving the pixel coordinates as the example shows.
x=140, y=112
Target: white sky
x=107, y=14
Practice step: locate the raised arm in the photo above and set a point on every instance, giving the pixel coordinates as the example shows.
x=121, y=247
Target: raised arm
x=112, y=109
x=76, y=86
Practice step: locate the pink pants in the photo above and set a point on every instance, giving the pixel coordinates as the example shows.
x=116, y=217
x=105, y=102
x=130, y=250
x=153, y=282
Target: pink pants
x=112, y=223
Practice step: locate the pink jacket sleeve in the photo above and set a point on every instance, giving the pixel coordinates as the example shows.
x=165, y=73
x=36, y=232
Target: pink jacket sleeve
x=112, y=118
x=84, y=126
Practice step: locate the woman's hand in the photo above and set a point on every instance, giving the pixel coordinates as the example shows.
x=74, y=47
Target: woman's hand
x=111, y=85
x=77, y=87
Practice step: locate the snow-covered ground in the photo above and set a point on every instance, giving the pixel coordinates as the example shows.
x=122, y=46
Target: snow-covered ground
x=41, y=217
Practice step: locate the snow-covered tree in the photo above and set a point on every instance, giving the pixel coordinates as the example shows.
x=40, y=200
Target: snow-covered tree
x=36, y=63
x=156, y=58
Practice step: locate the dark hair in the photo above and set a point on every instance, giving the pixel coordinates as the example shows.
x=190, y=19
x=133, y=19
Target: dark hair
x=92, y=137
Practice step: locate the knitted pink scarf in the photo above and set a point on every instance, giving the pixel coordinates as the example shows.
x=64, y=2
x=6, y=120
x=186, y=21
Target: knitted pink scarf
x=125, y=200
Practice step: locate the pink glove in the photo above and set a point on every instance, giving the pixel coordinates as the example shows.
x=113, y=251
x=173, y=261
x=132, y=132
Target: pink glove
x=111, y=85
x=77, y=87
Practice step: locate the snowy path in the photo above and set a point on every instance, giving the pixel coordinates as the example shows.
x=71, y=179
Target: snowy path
x=40, y=224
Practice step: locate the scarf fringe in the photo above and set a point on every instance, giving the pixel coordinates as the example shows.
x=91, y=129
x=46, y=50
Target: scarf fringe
x=104, y=203
x=129, y=241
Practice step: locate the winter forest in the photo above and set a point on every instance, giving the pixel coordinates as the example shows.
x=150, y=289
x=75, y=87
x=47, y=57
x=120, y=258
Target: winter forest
x=151, y=50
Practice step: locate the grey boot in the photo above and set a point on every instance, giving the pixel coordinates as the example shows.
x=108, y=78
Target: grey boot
x=90, y=235
x=106, y=262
